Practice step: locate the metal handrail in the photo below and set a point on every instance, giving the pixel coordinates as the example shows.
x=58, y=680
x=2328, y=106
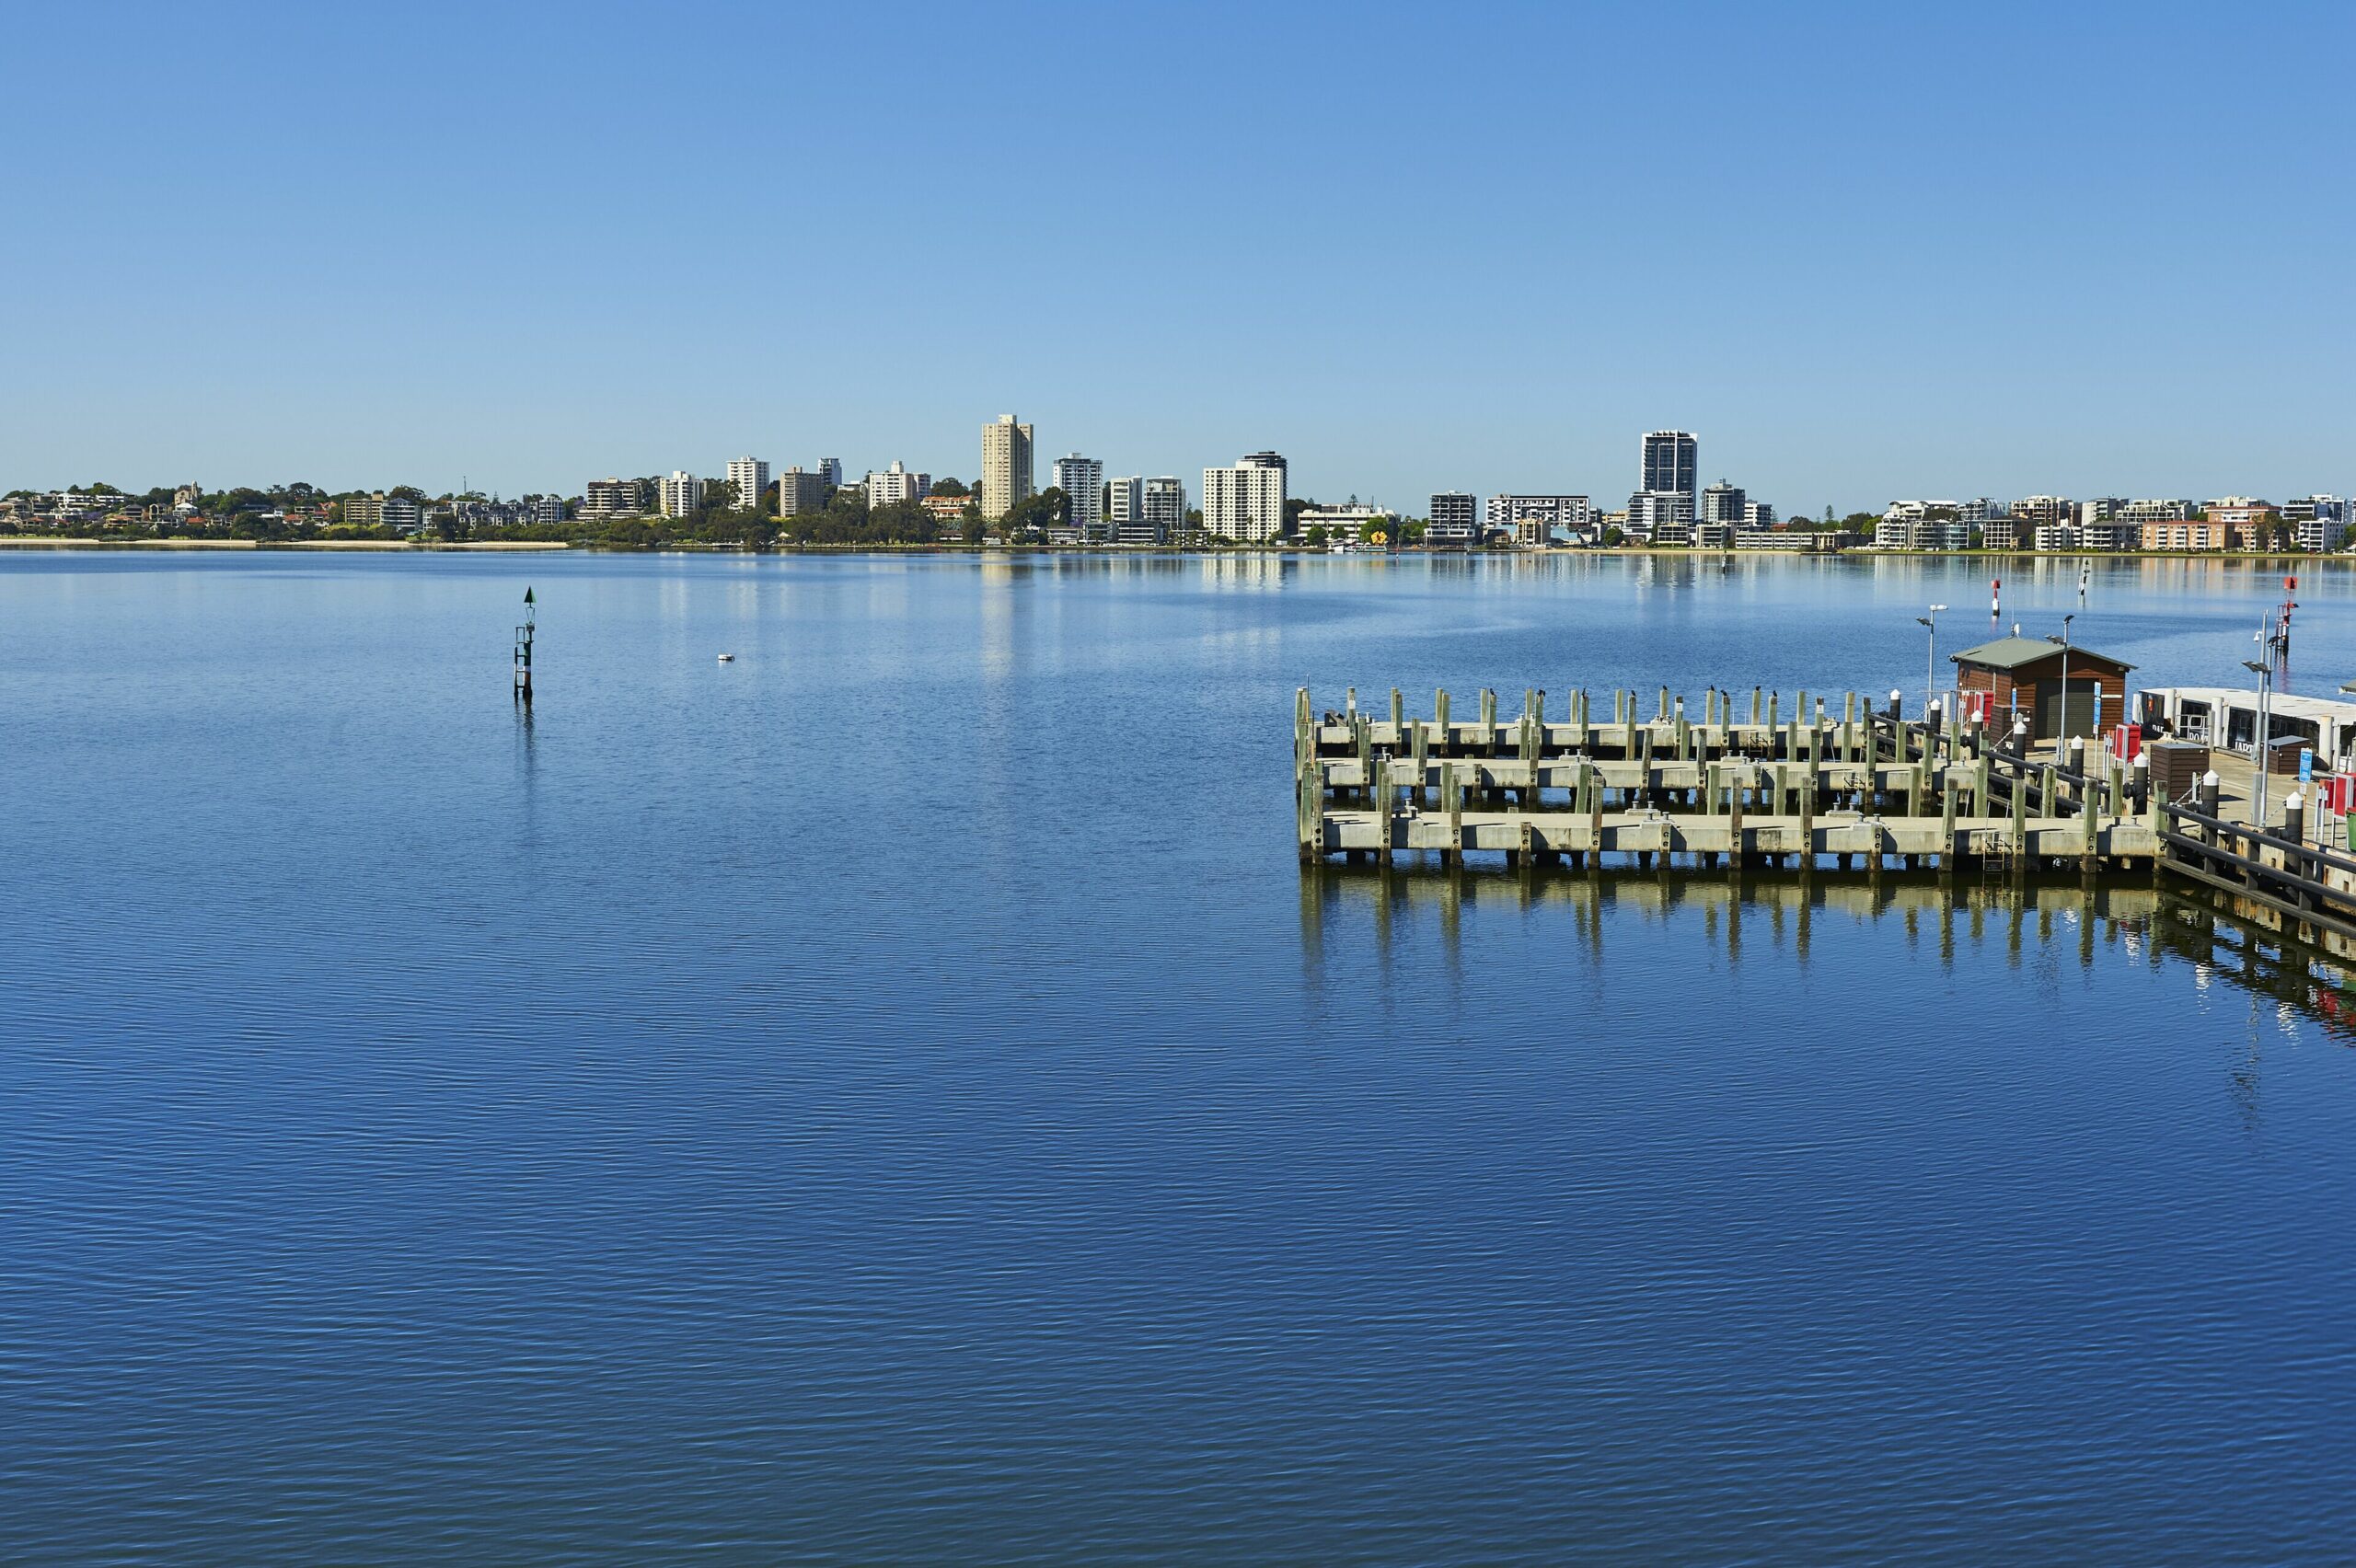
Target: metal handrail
x=2244, y=830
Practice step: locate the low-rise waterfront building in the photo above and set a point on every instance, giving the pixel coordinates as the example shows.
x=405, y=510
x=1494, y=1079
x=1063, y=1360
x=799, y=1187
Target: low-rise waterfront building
x=2185, y=535
x=1917, y=511
x=1660, y=517
x=2211, y=535
x=2325, y=523
x=610, y=498
x=1570, y=513
x=2241, y=509
x=1343, y=523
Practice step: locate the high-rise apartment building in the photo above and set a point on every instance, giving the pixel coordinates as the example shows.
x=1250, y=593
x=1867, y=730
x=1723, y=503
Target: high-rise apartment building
x=682, y=493
x=1722, y=503
x=1165, y=511
x=1670, y=462
x=364, y=511
x=1006, y=466
x=751, y=478
x=614, y=498
x=798, y=492
x=1082, y=481
x=891, y=486
x=1758, y=514
x=1245, y=502
x=1124, y=505
x=830, y=469
x=401, y=515
x=1452, y=519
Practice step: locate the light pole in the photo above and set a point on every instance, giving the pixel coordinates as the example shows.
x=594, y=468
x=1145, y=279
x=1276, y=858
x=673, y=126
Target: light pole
x=2062, y=725
x=1931, y=659
x=2265, y=688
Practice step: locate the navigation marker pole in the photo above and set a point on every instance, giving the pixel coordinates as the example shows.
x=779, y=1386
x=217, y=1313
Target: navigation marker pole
x=523, y=653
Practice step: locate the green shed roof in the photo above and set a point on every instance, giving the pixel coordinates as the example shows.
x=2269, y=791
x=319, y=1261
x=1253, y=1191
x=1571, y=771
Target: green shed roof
x=2012, y=653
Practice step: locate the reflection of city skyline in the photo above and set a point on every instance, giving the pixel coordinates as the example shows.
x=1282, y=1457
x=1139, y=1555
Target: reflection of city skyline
x=2057, y=574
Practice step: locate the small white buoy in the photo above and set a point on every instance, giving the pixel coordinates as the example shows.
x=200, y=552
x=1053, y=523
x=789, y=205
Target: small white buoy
x=728, y=658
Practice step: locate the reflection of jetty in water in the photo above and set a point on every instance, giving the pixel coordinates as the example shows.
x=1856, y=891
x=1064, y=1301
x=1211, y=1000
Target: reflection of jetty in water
x=2135, y=925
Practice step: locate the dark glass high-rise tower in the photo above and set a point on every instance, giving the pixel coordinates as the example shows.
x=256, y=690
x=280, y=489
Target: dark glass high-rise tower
x=1670, y=462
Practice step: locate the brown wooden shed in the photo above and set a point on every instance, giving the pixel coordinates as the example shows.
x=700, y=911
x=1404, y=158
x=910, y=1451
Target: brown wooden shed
x=2024, y=674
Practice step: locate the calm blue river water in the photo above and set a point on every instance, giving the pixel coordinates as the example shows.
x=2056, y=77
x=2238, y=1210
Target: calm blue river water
x=895, y=1098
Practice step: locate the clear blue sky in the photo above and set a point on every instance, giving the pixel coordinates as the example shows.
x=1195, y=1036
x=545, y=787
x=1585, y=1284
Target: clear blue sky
x=1864, y=250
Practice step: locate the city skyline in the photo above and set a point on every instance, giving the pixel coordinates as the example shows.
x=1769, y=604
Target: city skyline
x=1997, y=284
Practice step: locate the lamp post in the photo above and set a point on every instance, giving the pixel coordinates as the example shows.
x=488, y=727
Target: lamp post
x=2265, y=674
x=2062, y=724
x=1931, y=659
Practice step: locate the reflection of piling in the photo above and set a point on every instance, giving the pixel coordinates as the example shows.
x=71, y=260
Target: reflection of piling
x=523, y=653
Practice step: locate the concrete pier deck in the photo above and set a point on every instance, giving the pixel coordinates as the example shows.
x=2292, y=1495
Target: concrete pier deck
x=1863, y=790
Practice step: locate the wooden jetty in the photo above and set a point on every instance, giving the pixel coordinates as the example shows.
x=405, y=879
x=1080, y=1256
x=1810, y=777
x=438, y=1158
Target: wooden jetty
x=1734, y=785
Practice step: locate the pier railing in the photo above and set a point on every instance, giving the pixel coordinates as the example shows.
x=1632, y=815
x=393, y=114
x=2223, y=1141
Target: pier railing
x=1765, y=788
x=1866, y=789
